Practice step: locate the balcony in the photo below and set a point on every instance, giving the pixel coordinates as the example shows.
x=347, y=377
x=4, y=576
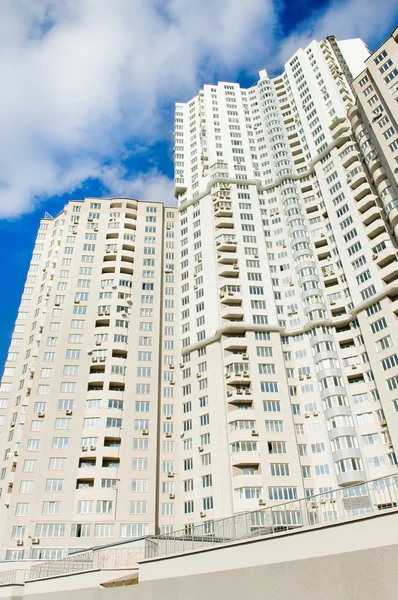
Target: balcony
x=234, y=312
x=385, y=256
x=222, y=209
x=224, y=222
x=389, y=273
x=239, y=376
x=375, y=228
x=362, y=190
x=371, y=215
x=379, y=175
x=224, y=258
x=235, y=343
x=229, y=270
x=226, y=243
x=366, y=202
x=355, y=179
x=339, y=128
x=349, y=155
x=231, y=294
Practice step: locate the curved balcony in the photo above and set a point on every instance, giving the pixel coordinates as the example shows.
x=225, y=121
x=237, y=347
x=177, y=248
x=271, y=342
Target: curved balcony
x=379, y=175
x=351, y=477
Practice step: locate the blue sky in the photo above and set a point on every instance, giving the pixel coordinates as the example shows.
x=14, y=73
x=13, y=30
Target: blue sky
x=88, y=92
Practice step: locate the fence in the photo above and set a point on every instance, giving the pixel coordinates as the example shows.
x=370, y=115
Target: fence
x=343, y=504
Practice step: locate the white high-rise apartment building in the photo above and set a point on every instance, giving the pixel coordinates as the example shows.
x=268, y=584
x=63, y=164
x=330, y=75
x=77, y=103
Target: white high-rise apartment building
x=289, y=287
x=89, y=379
x=237, y=352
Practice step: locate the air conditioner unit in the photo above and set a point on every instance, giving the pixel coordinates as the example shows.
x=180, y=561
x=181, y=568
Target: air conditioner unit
x=98, y=343
x=93, y=448
x=374, y=256
x=41, y=415
x=172, y=382
x=383, y=423
x=229, y=393
x=57, y=304
x=353, y=367
x=84, y=448
x=89, y=218
x=202, y=513
x=35, y=541
x=102, y=359
x=101, y=313
x=307, y=415
x=255, y=432
x=168, y=417
x=301, y=378
x=96, y=228
x=108, y=312
x=19, y=542
x=168, y=434
x=245, y=373
x=114, y=287
x=247, y=392
x=315, y=414
x=198, y=375
x=130, y=302
x=172, y=496
x=245, y=356
x=145, y=432
x=69, y=412
x=170, y=474
x=322, y=235
x=332, y=303
x=227, y=375
x=16, y=452
x=94, y=359
x=239, y=391
x=291, y=284
x=195, y=287
x=261, y=502
x=255, y=255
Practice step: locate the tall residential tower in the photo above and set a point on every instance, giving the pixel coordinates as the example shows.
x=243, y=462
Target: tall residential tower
x=174, y=366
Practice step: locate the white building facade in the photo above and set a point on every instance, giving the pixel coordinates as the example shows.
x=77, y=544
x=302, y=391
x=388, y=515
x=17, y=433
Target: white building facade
x=254, y=326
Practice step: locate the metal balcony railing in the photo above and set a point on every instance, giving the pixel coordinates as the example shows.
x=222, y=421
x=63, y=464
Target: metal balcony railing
x=343, y=504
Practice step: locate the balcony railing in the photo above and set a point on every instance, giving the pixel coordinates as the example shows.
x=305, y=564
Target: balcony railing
x=343, y=504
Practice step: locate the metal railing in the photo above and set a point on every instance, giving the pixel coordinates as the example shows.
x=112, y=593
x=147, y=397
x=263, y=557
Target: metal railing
x=343, y=504
x=106, y=558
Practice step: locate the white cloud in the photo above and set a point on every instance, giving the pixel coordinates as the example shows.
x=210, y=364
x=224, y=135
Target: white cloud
x=365, y=19
x=80, y=78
